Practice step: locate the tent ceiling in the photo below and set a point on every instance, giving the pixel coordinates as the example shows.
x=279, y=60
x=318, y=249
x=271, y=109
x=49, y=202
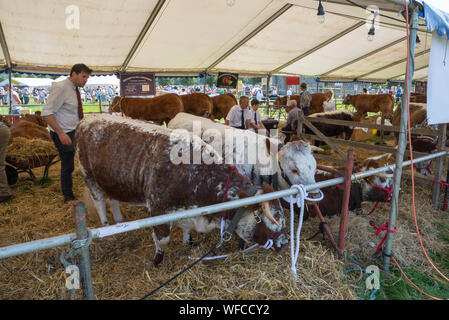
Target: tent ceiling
x=253, y=37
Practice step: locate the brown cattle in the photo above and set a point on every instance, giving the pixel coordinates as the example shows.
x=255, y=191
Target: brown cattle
x=157, y=109
x=364, y=103
x=197, y=102
x=140, y=164
x=30, y=130
x=31, y=127
x=418, y=98
x=222, y=104
x=36, y=118
x=316, y=104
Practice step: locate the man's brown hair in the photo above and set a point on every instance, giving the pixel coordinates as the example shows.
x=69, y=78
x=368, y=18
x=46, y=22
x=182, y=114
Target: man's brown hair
x=80, y=67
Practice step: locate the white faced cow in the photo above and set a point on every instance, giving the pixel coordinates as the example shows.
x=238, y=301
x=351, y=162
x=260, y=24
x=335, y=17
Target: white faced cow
x=135, y=162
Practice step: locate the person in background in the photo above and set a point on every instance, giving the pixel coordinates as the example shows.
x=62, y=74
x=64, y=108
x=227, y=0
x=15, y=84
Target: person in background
x=26, y=96
x=398, y=94
x=292, y=117
x=238, y=115
x=329, y=103
x=306, y=97
x=63, y=112
x=15, y=101
x=364, y=91
x=255, y=119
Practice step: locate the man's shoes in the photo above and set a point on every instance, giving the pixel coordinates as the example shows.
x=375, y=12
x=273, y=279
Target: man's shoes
x=69, y=198
x=5, y=198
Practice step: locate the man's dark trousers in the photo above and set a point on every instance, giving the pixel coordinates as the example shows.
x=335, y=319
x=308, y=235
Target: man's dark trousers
x=67, y=155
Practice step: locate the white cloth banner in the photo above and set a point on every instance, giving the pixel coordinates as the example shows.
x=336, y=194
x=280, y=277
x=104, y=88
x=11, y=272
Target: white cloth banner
x=438, y=80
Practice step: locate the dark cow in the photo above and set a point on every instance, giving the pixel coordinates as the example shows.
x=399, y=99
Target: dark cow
x=196, y=103
x=332, y=130
x=365, y=103
x=371, y=189
x=222, y=104
x=143, y=164
x=158, y=109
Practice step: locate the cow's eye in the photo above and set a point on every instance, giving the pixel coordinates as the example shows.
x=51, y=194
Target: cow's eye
x=295, y=171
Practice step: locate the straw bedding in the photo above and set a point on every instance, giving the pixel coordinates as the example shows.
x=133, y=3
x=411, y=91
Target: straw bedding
x=27, y=153
x=122, y=265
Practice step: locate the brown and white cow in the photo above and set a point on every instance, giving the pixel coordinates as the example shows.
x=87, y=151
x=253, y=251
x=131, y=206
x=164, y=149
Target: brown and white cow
x=158, y=109
x=136, y=162
x=364, y=103
x=376, y=188
x=222, y=103
x=294, y=162
x=197, y=102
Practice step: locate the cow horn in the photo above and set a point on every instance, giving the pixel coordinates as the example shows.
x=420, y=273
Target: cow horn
x=266, y=212
x=314, y=148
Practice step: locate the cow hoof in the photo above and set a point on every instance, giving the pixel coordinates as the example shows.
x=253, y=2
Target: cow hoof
x=158, y=258
x=241, y=244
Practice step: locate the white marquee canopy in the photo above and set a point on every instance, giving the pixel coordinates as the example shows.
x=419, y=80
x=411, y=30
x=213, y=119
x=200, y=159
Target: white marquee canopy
x=251, y=37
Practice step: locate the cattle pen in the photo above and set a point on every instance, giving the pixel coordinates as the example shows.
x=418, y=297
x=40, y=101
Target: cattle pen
x=83, y=236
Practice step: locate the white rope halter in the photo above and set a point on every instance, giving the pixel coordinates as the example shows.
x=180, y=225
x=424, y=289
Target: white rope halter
x=299, y=201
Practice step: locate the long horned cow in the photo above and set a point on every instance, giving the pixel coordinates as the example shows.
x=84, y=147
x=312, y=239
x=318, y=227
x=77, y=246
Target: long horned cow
x=136, y=162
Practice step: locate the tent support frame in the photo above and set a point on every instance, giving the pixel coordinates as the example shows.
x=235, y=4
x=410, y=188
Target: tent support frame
x=402, y=140
x=321, y=45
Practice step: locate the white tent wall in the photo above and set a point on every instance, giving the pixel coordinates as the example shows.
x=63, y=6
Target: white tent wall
x=38, y=36
x=189, y=37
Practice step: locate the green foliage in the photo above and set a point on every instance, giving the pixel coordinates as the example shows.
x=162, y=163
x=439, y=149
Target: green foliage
x=165, y=81
x=187, y=81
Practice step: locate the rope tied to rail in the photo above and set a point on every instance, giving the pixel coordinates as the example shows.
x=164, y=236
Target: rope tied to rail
x=380, y=229
x=68, y=260
x=299, y=199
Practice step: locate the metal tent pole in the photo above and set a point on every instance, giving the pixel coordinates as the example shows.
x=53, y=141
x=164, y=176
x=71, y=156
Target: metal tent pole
x=402, y=141
x=10, y=93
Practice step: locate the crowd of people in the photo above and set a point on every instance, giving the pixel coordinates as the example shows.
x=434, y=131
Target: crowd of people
x=27, y=95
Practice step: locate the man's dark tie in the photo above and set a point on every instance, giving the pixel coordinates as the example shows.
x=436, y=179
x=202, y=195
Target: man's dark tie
x=80, y=104
x=243, y=120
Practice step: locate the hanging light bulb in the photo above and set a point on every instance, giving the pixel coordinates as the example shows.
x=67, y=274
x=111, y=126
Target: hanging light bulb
x=371, y=32
x=230, y=3
x=321, y=13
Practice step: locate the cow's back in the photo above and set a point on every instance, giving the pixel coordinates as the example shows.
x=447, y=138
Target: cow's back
x=316, y=104
x=157, y=109
x=195, y=103
x=373, y=103
x=30, y=130
x=132, y=161
x=221, y=105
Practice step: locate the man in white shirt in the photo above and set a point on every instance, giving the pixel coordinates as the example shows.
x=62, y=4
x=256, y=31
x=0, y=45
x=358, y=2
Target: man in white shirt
x=255, y=120
x=238, y=116
x=63, y=112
